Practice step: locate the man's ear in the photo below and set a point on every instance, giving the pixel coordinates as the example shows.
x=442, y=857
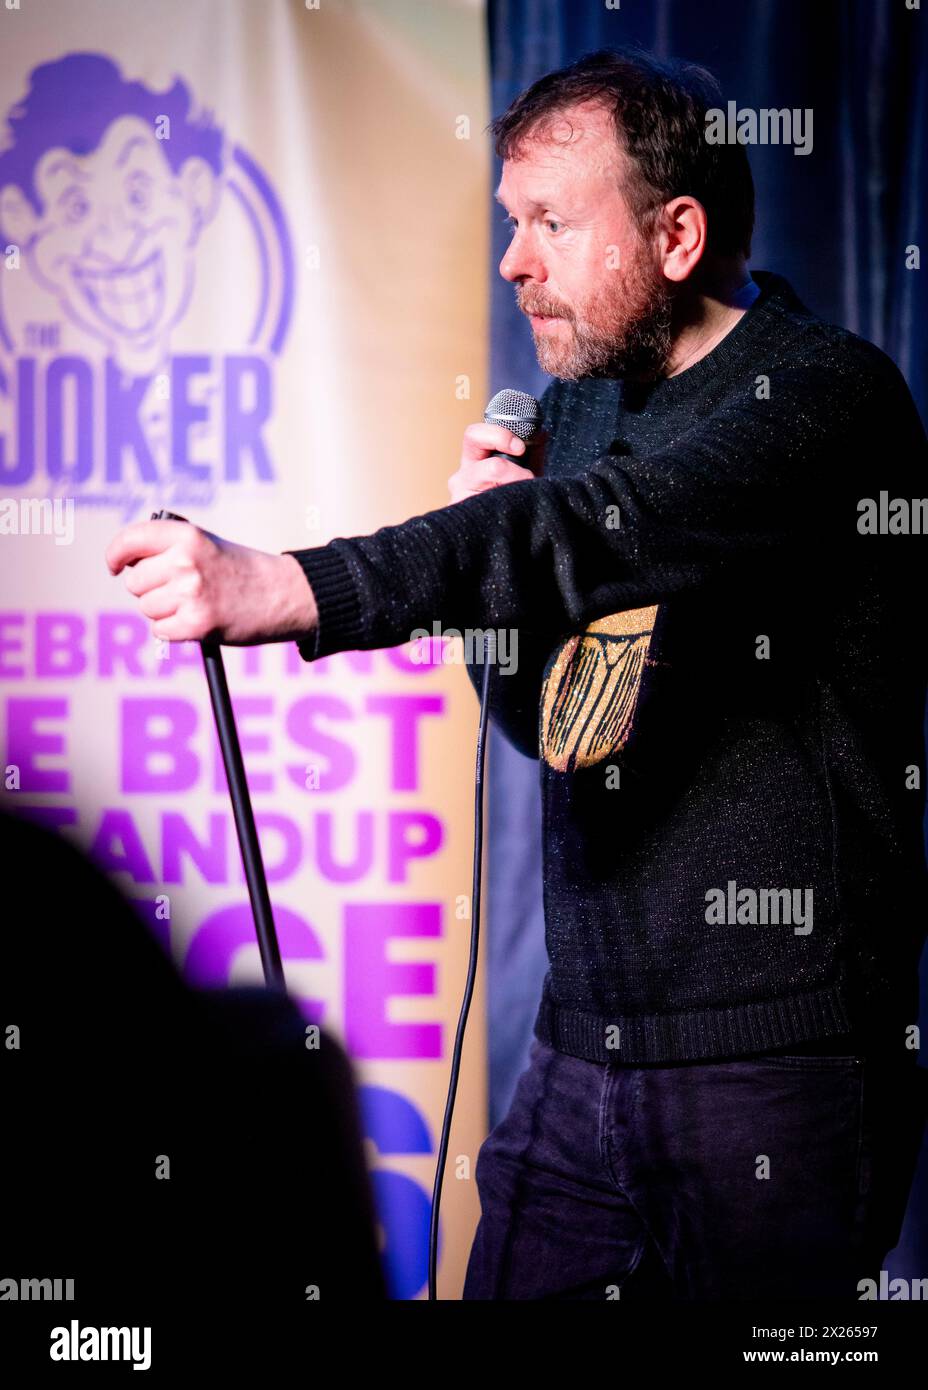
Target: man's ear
x=684, y=231
x=17, y=218
x=201, y=190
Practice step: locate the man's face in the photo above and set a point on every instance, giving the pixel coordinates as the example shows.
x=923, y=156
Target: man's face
x=593, y=289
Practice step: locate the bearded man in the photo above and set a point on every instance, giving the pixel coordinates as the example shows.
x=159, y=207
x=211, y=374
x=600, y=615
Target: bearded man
x=723, y=677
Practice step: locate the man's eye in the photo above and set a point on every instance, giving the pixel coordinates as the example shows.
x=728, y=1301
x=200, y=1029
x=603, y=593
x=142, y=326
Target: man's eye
x=510, y=224
x=554, y=225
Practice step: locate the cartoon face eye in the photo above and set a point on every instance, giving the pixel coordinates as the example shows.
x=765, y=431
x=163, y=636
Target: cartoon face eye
x=75, y=205
x=138, y=192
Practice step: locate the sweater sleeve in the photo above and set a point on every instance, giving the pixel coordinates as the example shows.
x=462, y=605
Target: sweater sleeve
x=756, y=484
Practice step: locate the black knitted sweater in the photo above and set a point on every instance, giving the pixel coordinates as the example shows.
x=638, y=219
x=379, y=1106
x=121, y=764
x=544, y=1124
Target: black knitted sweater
x=722, y=671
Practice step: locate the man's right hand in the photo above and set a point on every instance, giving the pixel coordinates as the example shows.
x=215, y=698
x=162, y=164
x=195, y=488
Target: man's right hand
x=479, y=470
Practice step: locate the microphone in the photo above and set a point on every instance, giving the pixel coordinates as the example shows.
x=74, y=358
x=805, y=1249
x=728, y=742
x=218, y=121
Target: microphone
x=519, y=413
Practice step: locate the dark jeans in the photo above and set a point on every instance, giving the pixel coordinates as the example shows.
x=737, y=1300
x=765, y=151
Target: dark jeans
x=781, y=1176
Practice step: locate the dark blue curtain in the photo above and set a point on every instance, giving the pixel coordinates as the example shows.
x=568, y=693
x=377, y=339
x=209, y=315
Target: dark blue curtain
x=836, y=222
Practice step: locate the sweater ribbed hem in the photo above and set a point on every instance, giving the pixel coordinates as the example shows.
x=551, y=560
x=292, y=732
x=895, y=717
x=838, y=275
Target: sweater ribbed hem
x=694, y=1035
x=340, y=627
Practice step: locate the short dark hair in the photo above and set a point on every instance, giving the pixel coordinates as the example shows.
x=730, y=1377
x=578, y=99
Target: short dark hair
x=659, y=110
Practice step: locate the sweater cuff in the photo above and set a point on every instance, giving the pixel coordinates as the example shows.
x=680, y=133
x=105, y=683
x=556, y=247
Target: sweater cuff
x=339, y=627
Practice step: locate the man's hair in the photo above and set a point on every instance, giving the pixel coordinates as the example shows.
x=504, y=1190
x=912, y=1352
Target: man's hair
x=659, y=109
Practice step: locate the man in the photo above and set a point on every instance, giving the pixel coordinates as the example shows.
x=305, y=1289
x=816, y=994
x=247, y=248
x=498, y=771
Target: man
x=149, y=1123
x=722, y=676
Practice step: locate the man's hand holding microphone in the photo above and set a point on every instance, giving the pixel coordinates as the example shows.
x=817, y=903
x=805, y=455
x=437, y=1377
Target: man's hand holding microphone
x=483, y=463
x=195, y=586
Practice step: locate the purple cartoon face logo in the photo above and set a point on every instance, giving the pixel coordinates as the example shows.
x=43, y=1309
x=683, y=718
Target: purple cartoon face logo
x=138, y=245
x=116, y=236
x=116, y=240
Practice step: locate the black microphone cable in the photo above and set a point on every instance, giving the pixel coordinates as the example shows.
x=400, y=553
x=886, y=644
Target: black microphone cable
x=520, y=413
x=471, y=974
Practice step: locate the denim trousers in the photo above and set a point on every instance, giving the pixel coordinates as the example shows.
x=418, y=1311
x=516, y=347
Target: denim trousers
x=770, y=1176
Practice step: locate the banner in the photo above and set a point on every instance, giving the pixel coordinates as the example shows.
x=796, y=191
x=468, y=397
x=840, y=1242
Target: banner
x=244, y=278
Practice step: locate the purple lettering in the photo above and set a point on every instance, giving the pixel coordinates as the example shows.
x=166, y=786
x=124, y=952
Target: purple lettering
x=117, y=847
x=142, y=745
x=363, y=857
x=210, y=857
x=22, y=471
x=301, y=726
x=11, y=644
x=124, y=397
x=412, y=835
x=61, y=371
x=403, y=712
x=371, y=979
x=186, y=413
x=243, y=424
x=25, y=744
x=59, y=639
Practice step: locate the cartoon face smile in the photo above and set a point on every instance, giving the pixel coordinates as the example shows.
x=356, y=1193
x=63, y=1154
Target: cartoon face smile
x=129, y=299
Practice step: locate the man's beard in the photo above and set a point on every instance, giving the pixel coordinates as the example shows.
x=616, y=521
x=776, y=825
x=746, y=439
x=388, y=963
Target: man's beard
x=623, y=333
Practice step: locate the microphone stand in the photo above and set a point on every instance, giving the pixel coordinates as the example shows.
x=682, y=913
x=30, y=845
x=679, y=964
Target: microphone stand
x=241, y=803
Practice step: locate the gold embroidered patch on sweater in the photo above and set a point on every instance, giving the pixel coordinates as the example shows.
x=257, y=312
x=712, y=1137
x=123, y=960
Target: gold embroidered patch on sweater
x=591, y=689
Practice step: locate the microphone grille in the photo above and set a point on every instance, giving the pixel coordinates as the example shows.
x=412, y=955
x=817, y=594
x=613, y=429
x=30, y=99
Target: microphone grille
x=516, y=411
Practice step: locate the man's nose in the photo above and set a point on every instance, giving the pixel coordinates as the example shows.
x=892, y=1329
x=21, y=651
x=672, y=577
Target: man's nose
x=521, y=261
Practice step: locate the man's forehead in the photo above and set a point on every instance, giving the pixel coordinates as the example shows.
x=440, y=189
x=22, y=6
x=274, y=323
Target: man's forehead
x=127, y=138
x=571, y=154
x=535, y=198
x=541, y=181
x=540, y=184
